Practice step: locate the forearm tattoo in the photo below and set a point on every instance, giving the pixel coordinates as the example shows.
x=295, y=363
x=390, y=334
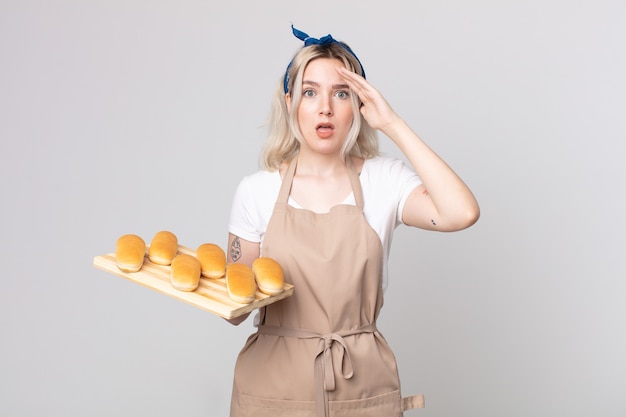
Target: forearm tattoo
x=235, y=249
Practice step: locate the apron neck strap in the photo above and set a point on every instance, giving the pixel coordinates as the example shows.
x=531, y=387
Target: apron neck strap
x=285, y=188
x=356, y=183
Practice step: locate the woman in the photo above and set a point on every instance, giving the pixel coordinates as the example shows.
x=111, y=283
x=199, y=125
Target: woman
x=325, y=206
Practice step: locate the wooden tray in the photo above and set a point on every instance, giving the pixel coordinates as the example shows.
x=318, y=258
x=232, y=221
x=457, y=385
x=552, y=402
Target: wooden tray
x=211, y=295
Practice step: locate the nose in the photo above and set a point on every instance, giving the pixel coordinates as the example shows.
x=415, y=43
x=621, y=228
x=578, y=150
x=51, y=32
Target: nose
x=325, y=106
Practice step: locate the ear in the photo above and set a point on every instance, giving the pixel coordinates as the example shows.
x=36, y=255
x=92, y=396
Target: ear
x=288, y=102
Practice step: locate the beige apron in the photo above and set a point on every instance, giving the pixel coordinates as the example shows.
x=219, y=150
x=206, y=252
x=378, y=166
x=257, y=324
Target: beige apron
x=318, y=353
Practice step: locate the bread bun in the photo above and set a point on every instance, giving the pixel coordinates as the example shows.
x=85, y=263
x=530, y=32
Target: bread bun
x=130, y=251
x=213, y=260
x=269, y=275
x=185, y=272
x=163, y=248
x=240, y=283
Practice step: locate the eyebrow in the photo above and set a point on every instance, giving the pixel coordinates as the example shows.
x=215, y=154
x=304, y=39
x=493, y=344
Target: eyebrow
x=335, y=86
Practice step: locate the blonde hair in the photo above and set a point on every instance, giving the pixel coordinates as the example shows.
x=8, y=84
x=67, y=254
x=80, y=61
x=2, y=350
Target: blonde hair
x=284, y=136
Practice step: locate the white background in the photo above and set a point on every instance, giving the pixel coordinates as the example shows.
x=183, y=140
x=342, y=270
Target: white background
x=135, y=116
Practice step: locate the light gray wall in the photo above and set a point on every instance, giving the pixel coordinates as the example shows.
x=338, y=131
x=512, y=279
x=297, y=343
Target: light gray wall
x=134, y=116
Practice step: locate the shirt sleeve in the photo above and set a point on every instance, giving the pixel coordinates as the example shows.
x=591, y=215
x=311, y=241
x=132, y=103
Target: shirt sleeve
x=244, y=221
x=387, y=183
x=253, y=203
x=408, y=182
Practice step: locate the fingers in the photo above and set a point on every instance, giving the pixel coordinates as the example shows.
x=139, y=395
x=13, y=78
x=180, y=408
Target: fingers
x=366, y=92
x=356, y=83
x=374, y=107
x=351, y=76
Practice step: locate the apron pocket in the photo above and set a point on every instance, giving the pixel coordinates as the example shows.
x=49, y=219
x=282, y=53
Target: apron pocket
x=249, y=406
x=385, y=405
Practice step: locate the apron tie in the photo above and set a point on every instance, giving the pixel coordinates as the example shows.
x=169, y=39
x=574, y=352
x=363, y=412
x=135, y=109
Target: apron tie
x=324, y=367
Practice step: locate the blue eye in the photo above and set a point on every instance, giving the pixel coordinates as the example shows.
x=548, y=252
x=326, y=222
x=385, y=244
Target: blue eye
x=308, y=93
x=342, y=94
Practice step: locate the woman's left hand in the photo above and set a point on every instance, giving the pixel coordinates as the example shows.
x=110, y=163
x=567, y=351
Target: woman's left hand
x=375, y=109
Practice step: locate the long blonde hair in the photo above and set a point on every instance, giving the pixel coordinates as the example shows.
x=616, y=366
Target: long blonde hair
x=284, y=136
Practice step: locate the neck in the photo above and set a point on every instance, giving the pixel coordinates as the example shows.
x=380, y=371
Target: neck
x=320, y=165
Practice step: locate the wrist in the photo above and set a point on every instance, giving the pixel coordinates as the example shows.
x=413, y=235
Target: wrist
x=395, y=128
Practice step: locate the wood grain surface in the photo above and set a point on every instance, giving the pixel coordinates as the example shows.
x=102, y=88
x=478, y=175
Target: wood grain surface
x=211, y=295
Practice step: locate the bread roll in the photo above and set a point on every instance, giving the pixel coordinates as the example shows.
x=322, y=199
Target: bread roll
x=213, y=260
x=240, y=283
x=185, y=272
x=130, y=251
x=269, y=275
x=163, y=248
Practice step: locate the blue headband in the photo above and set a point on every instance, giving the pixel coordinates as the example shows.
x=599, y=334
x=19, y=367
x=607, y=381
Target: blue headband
x=326, y=40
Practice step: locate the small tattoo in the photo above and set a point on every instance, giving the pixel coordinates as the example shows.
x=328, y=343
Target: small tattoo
x=433, y=222
x=235, y=249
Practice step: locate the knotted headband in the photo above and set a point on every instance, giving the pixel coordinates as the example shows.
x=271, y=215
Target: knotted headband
x=325, y=40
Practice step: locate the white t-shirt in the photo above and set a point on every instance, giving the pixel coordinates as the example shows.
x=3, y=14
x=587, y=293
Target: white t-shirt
x=386, y=184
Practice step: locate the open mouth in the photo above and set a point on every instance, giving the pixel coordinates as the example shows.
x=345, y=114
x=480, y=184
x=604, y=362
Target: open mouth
x=325, y=130
x=325, y=127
